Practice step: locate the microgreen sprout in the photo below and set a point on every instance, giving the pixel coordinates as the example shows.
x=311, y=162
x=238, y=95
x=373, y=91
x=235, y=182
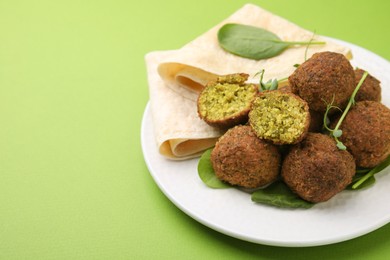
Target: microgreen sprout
x=271, y=84
x=308, y=44
x=336, y=132
x=296, y=65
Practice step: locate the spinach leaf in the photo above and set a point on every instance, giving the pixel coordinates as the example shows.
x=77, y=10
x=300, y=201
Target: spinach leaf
x=364, y=179
x=253, y=42
x=358, y=176
x=207, y=174
x=360, y=173
x=279, y=195
x=250, y=42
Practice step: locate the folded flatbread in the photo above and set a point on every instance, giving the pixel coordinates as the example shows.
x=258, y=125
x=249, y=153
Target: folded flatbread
x=177, y=76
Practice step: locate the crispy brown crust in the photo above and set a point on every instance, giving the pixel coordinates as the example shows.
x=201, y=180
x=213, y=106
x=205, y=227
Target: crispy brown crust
x=326, y=76
x=316, y=169
x=366, y=132
x=240, y=158
x=316, y=121
x=370, y=89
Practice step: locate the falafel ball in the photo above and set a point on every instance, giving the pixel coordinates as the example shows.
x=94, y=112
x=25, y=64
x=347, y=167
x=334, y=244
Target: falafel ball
x=280, y=117
x=323, y=78
x=366, y=132
x=226, y=102
x=370, y=89
x=240, y=158
x=316, y=121
x=316, y=169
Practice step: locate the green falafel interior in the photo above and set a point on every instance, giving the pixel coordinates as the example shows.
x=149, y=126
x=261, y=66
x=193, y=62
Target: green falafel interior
x=227, y=101
x=282, y=118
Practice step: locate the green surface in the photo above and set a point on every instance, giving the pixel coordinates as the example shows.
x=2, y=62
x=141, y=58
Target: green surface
x=73, y=182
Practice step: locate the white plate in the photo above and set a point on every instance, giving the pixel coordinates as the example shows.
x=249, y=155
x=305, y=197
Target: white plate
x=347, y=215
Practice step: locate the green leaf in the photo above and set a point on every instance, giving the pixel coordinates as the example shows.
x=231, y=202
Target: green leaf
x=367, y=183
x=254, y=42
x=382, y=165
x=341, y=146
x=250, y=42
x=360, y=179
x=360, y=170
x=358, y=176
x=206, y=172
x=337, y=133
x=274, y=84
x=279, y=195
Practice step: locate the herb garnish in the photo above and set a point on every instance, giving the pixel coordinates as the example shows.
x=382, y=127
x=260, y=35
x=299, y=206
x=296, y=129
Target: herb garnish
x=254, y=42
x=364, y=178
x=307, y=47
x=336, y=132
x=271, y=84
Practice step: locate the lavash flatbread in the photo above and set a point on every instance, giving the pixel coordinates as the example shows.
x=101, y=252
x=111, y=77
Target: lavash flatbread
x=179, y=132
x=177, y=76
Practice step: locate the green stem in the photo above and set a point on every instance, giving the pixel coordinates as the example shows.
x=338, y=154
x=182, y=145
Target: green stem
x=351, y=101
x=282, y=79
x=363, y=179
x=373, y=171
x=300, y=43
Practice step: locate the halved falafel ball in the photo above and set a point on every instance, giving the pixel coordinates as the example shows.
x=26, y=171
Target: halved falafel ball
x=316, y=118
x=366, y=132
x=280, y=117
x=316, y=169
x=226, y=102
x=242, y=159
x=370, y=89
x=323, y=78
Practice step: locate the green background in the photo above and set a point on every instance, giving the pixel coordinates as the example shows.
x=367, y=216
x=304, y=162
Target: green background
x=73, y=88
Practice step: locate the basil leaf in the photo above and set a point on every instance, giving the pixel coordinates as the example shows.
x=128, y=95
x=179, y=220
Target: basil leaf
x=206, y=172
x=250, y=42
x=278, y=194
